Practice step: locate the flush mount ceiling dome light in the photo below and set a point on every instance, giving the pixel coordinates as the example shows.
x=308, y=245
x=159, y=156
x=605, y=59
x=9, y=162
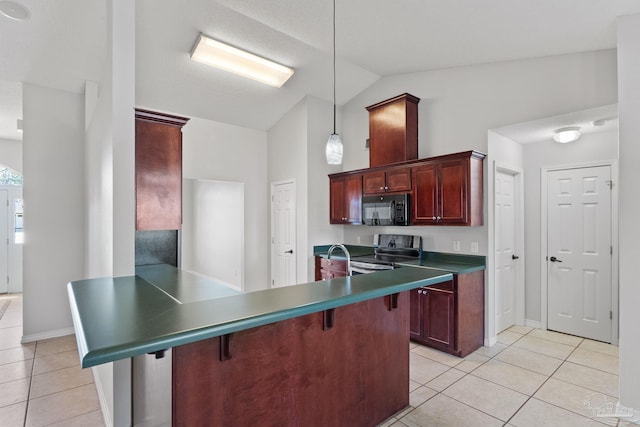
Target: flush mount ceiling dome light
x=568, y=134
x=220, y=55
x=14, y=11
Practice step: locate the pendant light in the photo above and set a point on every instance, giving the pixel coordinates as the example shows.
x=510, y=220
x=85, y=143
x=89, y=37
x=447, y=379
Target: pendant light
x=334, y=144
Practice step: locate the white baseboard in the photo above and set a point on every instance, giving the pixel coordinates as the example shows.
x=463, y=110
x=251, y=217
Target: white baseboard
x=47, y=335
x=533, y=323
x=489, y=341
x=104, y=407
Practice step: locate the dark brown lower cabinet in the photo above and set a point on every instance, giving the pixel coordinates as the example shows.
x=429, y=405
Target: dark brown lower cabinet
x=449, y=316
x=347, y=367
x=329, y=268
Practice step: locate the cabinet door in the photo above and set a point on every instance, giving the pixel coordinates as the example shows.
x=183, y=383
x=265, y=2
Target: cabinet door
x=336, y=200
x=415, y=315
x=453, y=191
x=158, y=176
x=398, y=180
x=373, y=182
x=424, y=206
x=345, y=204
x=439, y=317
x=353, y=199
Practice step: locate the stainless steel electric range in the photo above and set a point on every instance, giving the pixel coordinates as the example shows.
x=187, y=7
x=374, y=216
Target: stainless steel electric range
x=389, y=249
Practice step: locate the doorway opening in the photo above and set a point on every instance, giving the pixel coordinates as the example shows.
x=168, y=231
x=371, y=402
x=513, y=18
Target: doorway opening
x=11, y=230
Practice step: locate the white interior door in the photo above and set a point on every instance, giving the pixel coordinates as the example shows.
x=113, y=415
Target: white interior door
x=505, y=248
x=283, y=234
x=4, y=241
x=579, y=252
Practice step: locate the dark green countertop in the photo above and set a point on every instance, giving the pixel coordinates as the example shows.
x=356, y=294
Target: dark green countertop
x=184, y=287
x=162, y=307
x=452, y=263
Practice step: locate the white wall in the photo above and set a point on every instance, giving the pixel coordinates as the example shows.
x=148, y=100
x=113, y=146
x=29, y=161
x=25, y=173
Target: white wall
x=629, y=173
x=287, y=159
x=320, y=232
x=110, y=186
x=54, y=204
x=222, y=152
x=459, y=105
x=11, y=154
x=99, y=185
x=297, y=150
x=212, y=242
x=595, y=147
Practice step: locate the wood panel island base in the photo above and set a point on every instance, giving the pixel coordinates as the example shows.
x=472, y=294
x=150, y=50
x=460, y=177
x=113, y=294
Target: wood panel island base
x=299, y=372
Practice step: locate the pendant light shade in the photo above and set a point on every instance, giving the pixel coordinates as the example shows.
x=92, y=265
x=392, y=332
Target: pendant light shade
x=333, y=149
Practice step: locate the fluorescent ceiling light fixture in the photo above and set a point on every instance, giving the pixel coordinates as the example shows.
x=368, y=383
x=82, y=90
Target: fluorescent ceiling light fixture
x=568, y=134
x=220, y=55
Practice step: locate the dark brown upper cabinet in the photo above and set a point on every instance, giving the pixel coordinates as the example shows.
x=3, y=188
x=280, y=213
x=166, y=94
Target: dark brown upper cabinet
x=158, y=167
x=390, y=180
x=447, y=190
x=393, y=130
x=345, y=198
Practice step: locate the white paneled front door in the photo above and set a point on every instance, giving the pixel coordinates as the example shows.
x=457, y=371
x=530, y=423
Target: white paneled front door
x=579, y=252
x=505, y=247
x=283, y=234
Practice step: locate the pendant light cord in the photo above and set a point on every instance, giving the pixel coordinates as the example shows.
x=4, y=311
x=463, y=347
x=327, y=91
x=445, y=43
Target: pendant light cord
x=334, y=66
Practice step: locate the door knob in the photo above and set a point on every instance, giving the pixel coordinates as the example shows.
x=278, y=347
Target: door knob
x=515, y=257
x=554, y=259
x=290, y=251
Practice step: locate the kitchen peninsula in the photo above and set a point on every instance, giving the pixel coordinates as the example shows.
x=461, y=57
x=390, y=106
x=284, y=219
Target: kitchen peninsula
x=321, y=353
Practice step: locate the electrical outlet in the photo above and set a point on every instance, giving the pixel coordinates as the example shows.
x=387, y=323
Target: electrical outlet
x=474, y=247
x=456, y=245
x=358, y=239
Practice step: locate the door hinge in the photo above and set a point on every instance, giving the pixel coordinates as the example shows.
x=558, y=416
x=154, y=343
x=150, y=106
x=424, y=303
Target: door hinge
x=7, y=280
x=611, y=250
x=610, y=314
x=609, y=183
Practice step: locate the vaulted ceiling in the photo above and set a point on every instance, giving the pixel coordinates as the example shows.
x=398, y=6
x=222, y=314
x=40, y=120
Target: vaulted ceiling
x=64, y=43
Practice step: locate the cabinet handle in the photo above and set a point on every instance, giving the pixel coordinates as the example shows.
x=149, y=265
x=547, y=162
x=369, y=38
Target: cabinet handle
x=382, y=188
x=386, y=188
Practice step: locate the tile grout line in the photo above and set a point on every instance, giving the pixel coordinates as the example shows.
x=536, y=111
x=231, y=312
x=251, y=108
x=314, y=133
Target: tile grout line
x=544, y=382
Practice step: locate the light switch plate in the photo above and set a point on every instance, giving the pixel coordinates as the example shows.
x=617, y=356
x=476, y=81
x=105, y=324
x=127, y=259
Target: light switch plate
x=474, y=247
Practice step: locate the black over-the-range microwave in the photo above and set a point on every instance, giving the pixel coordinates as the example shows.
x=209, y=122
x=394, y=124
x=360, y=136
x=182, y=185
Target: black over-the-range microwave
x=390, y=209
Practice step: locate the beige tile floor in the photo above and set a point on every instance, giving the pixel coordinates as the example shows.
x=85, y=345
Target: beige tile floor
x=41, y=383
x=531, y=377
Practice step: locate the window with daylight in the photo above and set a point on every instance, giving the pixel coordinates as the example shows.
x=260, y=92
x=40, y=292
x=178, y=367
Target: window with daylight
x=9, y=177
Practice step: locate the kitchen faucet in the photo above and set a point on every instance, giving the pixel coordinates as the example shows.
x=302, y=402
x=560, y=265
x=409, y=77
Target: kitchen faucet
x=346, y=252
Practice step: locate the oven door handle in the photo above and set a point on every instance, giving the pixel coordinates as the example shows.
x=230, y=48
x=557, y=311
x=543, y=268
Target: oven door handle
x=361, y=270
